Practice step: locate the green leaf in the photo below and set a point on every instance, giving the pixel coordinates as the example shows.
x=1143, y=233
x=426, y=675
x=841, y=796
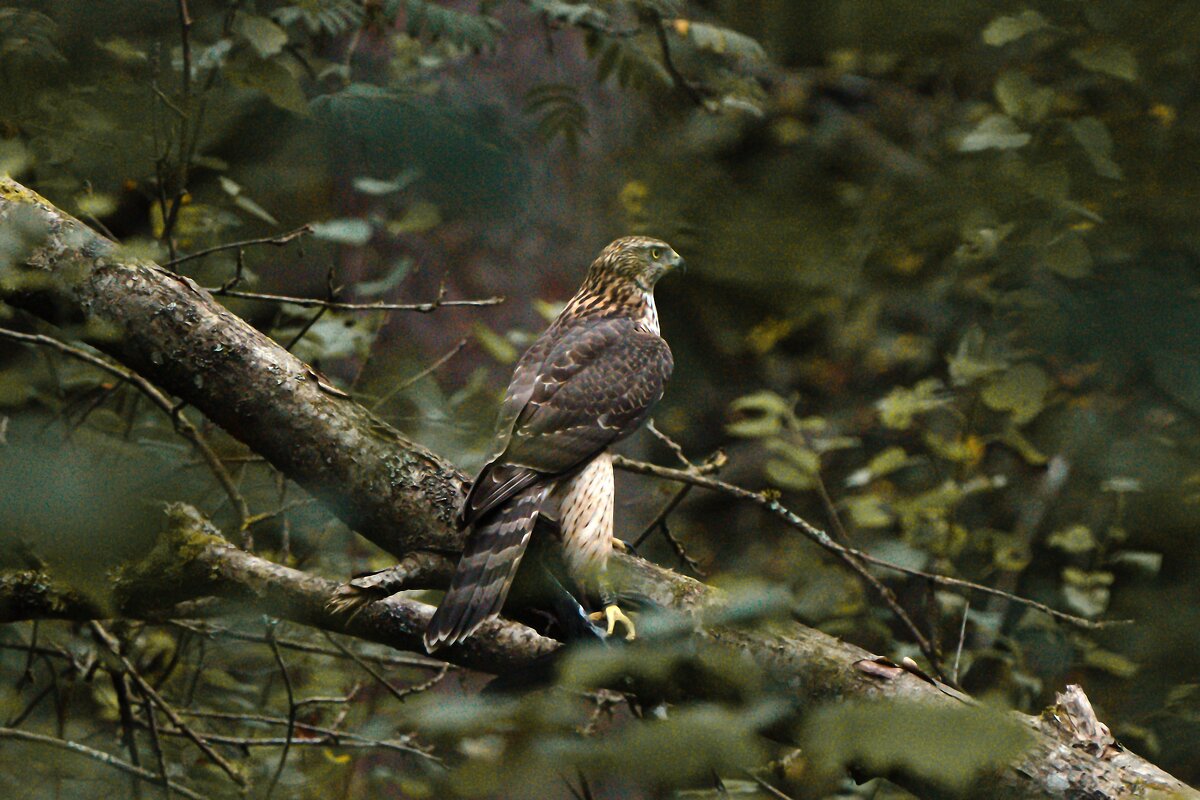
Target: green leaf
x=1003, y=30
x=1076, y=539
x=1121, y=484
x=1087, y=593
x=271, y=78
x=994, y=132
x=348, y=230
x=1097, y=144
x=868, y=511
x=902, y=405
x=496, y=345
x=123, y=50
x=1113, y=663
x=14, y=157
x=334, y=335
x=96, y=204
x=1020, y=391
x=755, y=427
x=476, y=31
x=1025, y=448
x=950, y=745
x=976, y=358
x=1067, y=256
x=242, y=201
x=334, y=17
x=1141, y=560
x=1021, y=98
x=377, y=186
x=570, y=13
x=888, y=461
x=1116, y=60
x=398, y=272
x=787, y=475
x=418, y=218
x=262, y=34
x=760, y=414
x=721, y=41
x=797, y=469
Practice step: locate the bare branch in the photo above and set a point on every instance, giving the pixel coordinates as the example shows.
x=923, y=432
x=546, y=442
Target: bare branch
x=110, y=642
x=97, y=755
x=334, y=305
x=404, y=497
x=820, y=537
x=185, y=428
x=276, y=241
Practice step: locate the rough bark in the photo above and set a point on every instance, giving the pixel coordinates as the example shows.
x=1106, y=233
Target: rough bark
x=402, y=497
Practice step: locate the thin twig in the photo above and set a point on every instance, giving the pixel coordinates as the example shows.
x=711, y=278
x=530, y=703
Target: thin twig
x=329, y=735
x=291, y=717
x=425, y=373
x=98, y=755
x=820, y=537
x=710, y=465
x=681, y=82
x=661, y=517
x=418, y=661
x=110, y=642
x=121, y=689
x=185, y=29
x=399, y=694
x=771, y=790
x=277, y=241
x=336, y=739
x=182, y=424
x=962, y=636
x=331, y=305
x=156, y=745
x=671, y=444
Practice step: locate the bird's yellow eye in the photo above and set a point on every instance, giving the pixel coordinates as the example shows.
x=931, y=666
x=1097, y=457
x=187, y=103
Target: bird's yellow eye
x=656, y=254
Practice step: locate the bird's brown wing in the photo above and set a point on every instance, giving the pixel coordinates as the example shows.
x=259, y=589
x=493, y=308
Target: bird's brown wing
x=486, y=570
x=596, y=384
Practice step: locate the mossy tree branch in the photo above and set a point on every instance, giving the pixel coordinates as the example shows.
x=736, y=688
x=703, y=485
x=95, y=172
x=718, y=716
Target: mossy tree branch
x=402, y=497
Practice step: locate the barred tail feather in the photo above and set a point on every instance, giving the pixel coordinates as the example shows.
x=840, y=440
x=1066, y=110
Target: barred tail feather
x=486, y=571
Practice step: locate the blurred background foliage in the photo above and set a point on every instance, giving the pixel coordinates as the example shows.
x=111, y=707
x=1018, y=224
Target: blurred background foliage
x=942, y=298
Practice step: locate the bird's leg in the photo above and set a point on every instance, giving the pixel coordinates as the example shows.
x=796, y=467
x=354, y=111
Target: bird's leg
x=612, y=613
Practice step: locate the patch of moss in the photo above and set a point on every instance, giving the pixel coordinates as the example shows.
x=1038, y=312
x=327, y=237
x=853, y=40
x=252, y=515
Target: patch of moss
x=167, y=573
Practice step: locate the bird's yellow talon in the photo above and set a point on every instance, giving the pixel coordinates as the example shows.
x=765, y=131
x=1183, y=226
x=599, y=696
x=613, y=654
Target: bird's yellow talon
x=619, y=545
x=612, y=615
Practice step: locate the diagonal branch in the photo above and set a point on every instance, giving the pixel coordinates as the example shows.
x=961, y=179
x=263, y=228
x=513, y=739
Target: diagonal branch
x=97, y=755
x=403, y=497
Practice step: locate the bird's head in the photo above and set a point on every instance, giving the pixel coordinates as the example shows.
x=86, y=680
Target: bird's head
x=637, y=259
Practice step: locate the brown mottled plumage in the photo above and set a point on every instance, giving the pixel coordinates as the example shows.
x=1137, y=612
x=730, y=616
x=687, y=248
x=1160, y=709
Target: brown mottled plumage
x=587, y=382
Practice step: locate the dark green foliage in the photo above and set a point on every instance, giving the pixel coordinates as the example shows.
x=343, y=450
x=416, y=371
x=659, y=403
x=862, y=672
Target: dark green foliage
x=426, y=17
x=629, y=60
x=942, y=300
x=323, y=16
x=558, y=111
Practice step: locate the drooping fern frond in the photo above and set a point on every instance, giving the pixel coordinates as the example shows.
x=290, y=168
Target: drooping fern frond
x=28, y=36
x=659, y=8
x=424, y=17
x=576, y=15
x=634, y=66
x=559, y=112
x=333, y=17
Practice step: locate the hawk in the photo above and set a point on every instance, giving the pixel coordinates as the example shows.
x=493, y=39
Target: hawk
x=587, y=382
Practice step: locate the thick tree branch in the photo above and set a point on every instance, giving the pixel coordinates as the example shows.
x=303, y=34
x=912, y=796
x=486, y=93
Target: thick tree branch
x=402, y=497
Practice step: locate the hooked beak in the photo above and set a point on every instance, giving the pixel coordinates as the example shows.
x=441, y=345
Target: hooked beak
x=674, y=262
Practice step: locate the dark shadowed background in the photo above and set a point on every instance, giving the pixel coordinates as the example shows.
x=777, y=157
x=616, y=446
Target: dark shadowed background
x=942, y=295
